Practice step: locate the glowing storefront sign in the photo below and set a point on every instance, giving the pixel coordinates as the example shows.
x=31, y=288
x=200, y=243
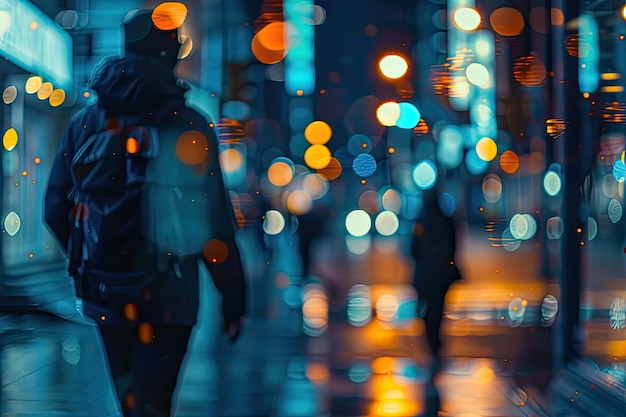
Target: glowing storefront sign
x=32, y=40
x=300, y=60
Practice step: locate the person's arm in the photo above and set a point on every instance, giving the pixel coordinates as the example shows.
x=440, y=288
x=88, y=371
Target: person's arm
x=226, y=268
x=57, y=208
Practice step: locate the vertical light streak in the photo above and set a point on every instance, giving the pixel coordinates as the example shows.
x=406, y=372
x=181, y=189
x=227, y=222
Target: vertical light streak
x=300, y=60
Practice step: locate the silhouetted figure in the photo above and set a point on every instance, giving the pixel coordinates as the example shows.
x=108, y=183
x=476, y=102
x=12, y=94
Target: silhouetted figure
x=433, y=247
x=186, y=218
x=311, y=227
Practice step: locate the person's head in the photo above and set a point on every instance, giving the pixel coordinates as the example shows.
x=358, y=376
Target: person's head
x=142, y=37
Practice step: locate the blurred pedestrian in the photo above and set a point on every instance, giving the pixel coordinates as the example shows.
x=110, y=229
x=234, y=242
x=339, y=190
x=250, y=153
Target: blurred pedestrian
x=144, y=296
x=433, y=247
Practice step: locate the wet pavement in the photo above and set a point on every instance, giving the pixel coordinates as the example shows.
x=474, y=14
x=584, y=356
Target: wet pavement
x=311, y=348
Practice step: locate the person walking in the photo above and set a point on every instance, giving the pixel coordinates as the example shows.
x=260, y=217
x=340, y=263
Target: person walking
x=185, y=218
x=433, y=247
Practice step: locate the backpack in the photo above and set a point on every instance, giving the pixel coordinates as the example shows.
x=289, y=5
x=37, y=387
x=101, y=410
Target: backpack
x=109, y=174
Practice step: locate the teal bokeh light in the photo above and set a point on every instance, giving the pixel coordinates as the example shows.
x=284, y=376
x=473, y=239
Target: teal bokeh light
x=409, y=116
x=425, y=174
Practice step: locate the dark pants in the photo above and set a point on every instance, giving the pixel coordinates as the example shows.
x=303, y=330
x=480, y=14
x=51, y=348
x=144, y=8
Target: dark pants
x=434, y=299
x=145, y=367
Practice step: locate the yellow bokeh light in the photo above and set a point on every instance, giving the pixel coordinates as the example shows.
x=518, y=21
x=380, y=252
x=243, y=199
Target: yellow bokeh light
x=318, y=132
x=317, y=157
x=382, y=365
x=483, y=375
x=192, y=147
x=486, y=149
x=33, y=84
x=393, y=66
x=169, y=15
x=45, y=91
x=388, y=113
x=57, y=97
x=280, y=174
x=466, y=18
x=9, y=139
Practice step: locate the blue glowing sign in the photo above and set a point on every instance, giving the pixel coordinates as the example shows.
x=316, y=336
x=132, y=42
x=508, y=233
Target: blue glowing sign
x=588, y=70
x=300, y=60
x=32, y=40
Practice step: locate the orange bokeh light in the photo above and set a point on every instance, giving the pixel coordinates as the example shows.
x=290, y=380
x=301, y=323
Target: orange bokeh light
x=169, y=15
x=192, y=147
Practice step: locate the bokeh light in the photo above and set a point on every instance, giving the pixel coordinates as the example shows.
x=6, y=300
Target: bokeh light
x=492, y=188
x=388, y=113
x=9, y=139
x=269, y=45
x=392, y=200
x=466, y=18
x=359, y=305
x=44, y=92
x=425, y=175
x=57, y=97
x=614, y=210
x=192, y=147
x=318, y=132
x=509, y=162
x=359, y=143
x=409, y=116
x=299, y=202
x=555, y=228
x=364, y=165
x=486, y=149
x=447, y=204
x=280, y=172
x=387, y=223
x=552, y=183
x=332, y=171
x=12, y=223
x=478, y=74
x=231, y=160
x=358, y=223
x=274, y=222
x=33, y=84
x=169, y=15
x=215, y=251
x=317, y=156
x=9, y=94
x=393, y=66
x=386, y=307
x=507, y=21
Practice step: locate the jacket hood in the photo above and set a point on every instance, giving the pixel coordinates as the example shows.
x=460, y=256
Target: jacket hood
x=134, y=83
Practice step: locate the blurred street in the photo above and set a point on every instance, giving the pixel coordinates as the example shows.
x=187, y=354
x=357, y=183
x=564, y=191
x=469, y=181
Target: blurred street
x=317, y=359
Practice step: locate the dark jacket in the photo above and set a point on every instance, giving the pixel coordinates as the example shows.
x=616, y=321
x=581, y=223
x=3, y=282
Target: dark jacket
x=433, y=247
x=201, y=212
